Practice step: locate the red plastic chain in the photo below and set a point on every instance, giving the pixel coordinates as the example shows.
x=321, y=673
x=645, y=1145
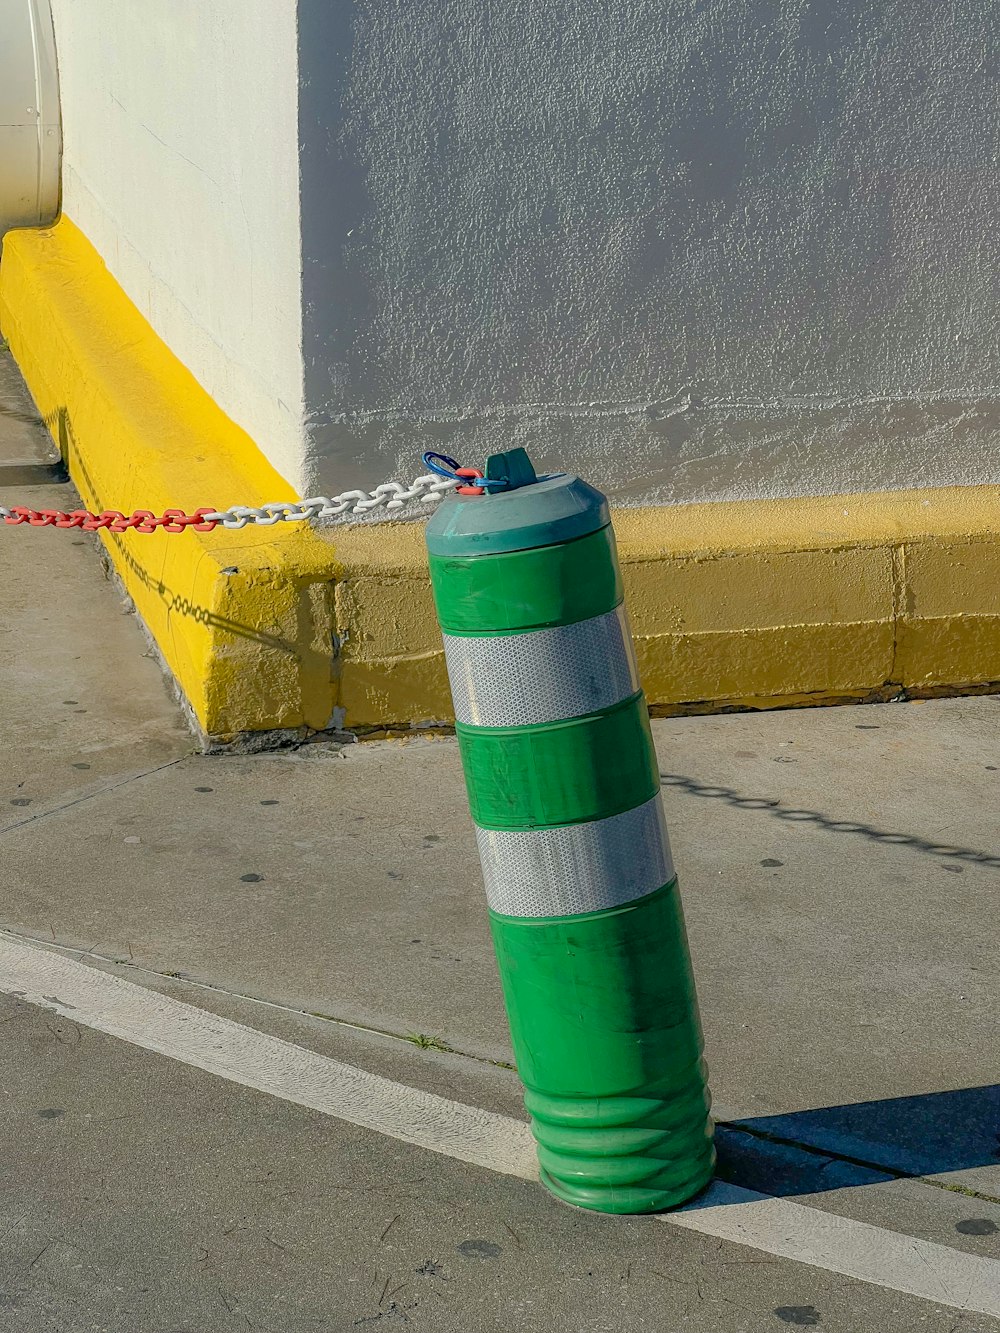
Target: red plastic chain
x=142, y=520
x=391, y=495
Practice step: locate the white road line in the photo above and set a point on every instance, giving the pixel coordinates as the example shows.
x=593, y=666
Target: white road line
x=826, y=1240
x=242, y=1055
x=219, y=1046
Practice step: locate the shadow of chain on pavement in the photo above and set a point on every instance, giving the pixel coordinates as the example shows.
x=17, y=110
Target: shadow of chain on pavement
x=774, y=807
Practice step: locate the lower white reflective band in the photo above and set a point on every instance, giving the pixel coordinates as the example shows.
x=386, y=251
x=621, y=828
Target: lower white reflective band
x=543, y=675
x=577, y=867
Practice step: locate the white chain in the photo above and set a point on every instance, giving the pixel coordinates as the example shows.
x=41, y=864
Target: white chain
x=390, y=495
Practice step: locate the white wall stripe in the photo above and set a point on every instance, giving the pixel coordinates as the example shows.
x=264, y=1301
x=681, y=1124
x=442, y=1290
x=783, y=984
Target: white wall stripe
x=576, y=867
x=183, y=1032
x=543, y=675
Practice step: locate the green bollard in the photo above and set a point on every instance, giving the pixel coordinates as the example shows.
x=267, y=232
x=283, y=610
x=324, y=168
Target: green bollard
x=564, y=790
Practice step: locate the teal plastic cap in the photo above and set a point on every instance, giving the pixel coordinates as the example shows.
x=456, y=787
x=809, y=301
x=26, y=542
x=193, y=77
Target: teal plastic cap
x=529, y=512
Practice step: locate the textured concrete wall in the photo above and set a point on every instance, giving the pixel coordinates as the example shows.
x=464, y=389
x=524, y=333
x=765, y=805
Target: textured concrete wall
x=181, y=166
x=692, y=248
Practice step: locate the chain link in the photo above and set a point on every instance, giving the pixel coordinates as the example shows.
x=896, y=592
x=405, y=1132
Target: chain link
x=391, y=495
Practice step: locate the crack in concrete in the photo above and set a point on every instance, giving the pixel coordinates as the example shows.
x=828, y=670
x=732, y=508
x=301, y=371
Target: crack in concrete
x=685, y=400
x=91, y=795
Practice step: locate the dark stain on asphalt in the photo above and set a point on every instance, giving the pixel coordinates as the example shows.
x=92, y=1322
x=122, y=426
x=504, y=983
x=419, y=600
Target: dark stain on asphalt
x=479, y=1249
x=804, y=1315
x=20, y=800
x=770, y=861
x=977, y=1226
x=51, y=1113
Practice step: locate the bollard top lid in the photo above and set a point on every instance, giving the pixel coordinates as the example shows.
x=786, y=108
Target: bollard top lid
x=520, y=512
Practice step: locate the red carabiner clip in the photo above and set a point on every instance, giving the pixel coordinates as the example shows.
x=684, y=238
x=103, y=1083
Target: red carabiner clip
x=470, y=473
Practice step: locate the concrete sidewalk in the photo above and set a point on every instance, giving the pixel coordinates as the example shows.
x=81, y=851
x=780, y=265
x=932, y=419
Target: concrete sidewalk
x=840, y=870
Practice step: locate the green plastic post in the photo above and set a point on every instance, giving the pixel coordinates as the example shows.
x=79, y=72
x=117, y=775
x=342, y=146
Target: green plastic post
x=564, y=790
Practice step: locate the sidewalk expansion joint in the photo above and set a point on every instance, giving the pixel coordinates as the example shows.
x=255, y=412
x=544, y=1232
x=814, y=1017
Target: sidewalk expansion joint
x=420, y=1040
x=426, y=1043
x=91, y=795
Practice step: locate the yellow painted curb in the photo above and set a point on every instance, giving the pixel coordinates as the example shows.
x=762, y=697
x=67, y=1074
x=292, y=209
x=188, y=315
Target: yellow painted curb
x=745, y=604
x=755, y=604
x=242, y=618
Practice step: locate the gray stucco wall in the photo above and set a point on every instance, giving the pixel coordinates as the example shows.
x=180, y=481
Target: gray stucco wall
x=690, y=248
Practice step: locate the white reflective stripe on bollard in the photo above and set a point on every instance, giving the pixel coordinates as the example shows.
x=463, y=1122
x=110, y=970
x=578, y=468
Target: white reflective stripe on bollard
x=542, y=675
x=576, y=867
